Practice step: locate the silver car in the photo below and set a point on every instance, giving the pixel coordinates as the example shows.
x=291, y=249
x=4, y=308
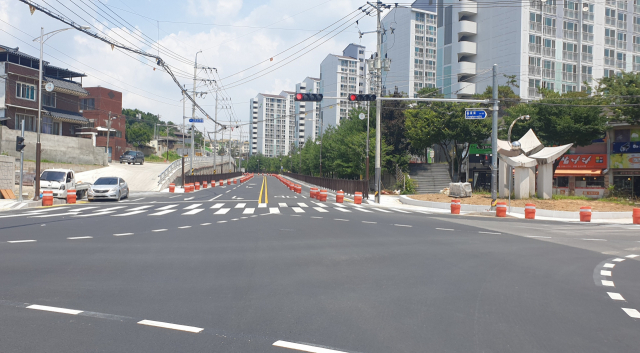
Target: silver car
x=108, y=188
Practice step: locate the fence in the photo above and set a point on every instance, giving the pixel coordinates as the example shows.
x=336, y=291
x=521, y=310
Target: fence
x=209, y=177
x=348, y=186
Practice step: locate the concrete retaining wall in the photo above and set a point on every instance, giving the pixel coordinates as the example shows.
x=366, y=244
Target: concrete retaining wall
x=7, y=174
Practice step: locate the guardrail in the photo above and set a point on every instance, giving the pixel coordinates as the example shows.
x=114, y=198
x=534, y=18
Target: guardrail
x=346, y=185
x=198, y=162
x=199, y=178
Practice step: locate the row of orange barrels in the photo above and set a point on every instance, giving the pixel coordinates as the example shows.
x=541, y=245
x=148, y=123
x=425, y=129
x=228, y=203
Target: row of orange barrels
x=47, y=197
x=530, y=211
x=191, y=187
x=318, y=194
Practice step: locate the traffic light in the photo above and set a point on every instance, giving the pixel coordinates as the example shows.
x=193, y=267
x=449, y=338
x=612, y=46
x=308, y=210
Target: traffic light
x=362, y=97
x=19, y=143
x=308, y=97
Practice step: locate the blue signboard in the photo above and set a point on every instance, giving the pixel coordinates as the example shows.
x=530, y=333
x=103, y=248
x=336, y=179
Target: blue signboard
x=196, y=120
x=626, y=147
x=475, y=114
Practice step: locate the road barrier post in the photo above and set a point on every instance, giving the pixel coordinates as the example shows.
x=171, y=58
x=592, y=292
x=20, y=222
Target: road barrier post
x=455, y=206
x=529, y=211
x=340, y=196
x=501, y=209
x=636, y=216
x=585, y=214
x=172, y=187
x=71, y=196
x=47, y=198
x=357, y=199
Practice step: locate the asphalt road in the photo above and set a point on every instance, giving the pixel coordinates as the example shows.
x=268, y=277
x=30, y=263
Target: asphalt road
x=215, y=271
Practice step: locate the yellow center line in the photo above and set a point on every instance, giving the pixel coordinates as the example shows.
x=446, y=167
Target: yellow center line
x=266, y=190
x=261, y=189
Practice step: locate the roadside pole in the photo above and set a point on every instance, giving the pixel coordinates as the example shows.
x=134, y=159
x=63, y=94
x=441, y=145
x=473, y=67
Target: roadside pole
x=167, y=139
x=21, y=161
x=494, y=140
x=215, y=137
x=367, y=171
x=183, y=172
x=378, y=67
x=108, y=135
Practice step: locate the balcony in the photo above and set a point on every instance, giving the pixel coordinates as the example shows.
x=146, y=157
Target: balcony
x=549, y=9
x=419, y=66
x=621, y=64
x=571, y=35
x=610, y=62
x=535, y=26
x=569, y=77
x=621, y=45
x=431, y=79
x=535, y=70
x=430, y=68
x=587, y=58
x=464, y=88
x=549, y=52
x=622, y=25
x=419, y=31
x=466, y=68
x=419, y=54
x=636, y=48
x=587, y=16
x=430, y=56
x=535, y=48
x=587, y=37
x=636, y=8
x=467, y=8
x=468, y=28
x=622, y=5
x=587, y=77
x=573, y=14
x=534, y=93
x=569, y=56
x=636, y=67
x=430, y=44
x=636, y=28
x=549, y=73
x=430, y=22
x=549, y=31
x=418, y=78
x=611, y=3
x=466, y=48
x=611, y=21
x=419, y=43
x=609, y=42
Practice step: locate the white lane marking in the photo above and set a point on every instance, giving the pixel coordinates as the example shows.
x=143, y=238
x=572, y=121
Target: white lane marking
x=171, y=326
x=215, y=197
x=274, y=210
x=262, y=205
x=162, y=212
x=401, y=211
x=74, y=238
x=341, y=209
x=618, y=260
x=316, y=217
x=489, y=233
x=122, y=234
x=222, y=221
x=595, y=239
x=363, y=210
x=339, y=204
x=54, y=309
x=205, y=224
x=236, y=219
x=72, y=213
x=402, y=225
x=302, y=204
x=445, y=229
x=605, y=273
x=608, y=283
x=608, y=265
x=297, y=209
x=304, y=347
x=304, y=197
x=340, y=219
x=632, y=256
x=227, y=191
x=282, y=204
x=241, y=205
x=319, y=204
x=222, y=211
x=369, y=222
x=356, y=205
x=195, y=205
x=101, y=213
x=192, y=212
x=320, y=209
x=159, y=230
x=537, y=236
x=184, y=227
x=615, y=296
x=20, y=241
x=189, y=198
x=244, y=217
x=632, y=312
x=249, y=211
x=128, y=213
x=380, y=209
x=218, y=205
x=165, y=207
x=139, y=208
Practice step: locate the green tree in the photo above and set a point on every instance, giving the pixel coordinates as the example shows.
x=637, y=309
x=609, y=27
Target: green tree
x=138, y=134
x=624, y=91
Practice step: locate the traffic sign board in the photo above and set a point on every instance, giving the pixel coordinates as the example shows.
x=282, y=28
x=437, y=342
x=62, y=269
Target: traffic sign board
x=196, y=120
x=362, y=116
x=475, y=114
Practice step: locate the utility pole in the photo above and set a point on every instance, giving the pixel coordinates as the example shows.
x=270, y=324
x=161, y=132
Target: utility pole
x=378, y=67
x=184, y=103
x=367, y=171
x=193, y=111
x=215, y=136
x=167, y=124
x=21, y=161
x=108, y=135
x=494, y=140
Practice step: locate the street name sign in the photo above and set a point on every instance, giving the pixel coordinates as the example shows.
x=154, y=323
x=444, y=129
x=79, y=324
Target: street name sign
x=475, y=114
x=196, y=120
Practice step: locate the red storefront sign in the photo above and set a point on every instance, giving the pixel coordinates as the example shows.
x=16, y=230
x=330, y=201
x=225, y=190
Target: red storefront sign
x=583, y=161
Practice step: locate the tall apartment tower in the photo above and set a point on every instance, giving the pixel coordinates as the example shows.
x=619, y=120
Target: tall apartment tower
x=308, y=113
x=273, y=123
x=341, y=75
x=411, y=45
x=559, y=45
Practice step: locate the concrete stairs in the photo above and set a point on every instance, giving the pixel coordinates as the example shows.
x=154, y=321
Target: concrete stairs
x=431, y=178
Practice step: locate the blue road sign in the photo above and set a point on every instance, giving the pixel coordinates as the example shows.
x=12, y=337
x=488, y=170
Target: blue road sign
x=475, y=114
x=196, y=120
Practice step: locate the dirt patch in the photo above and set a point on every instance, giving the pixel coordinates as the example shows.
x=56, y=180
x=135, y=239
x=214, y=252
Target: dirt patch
x=557, y=205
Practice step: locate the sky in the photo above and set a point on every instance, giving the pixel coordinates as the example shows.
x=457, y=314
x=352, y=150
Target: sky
x=237, y=37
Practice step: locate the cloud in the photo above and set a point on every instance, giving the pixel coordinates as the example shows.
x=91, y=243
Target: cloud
x=218, y=9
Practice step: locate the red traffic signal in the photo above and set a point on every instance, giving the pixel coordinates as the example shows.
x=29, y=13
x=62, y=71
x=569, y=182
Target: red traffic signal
x=308, y=97
x=362, y=97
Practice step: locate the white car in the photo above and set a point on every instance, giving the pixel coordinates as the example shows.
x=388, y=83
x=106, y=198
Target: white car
x=108, y=188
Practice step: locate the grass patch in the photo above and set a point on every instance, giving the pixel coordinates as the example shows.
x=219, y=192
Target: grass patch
x=173, y=156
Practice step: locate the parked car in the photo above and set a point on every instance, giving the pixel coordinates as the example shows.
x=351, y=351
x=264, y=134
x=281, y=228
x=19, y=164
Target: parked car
x=132, y=157
x=61, y=180
x=108, y=188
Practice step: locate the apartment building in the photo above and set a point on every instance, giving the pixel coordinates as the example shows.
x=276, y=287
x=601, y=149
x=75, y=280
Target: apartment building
x=273, y=123
x=411, y=45
x=559, y=45
x=100, y=105
x=308, y=113
x=341, y=75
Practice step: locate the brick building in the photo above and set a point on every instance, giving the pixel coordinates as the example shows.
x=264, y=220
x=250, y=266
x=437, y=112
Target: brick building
x=19, y=95
x=96, y=108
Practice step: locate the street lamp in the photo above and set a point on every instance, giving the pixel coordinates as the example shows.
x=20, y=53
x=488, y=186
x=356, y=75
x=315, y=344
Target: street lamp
x=109, y=155
x=43, y=38
x=516, y=144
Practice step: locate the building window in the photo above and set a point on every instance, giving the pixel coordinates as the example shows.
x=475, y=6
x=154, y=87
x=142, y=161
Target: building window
x=88, y=104
x=49, y=99
x=47, y=125
x=26, y=91
x=29, y=122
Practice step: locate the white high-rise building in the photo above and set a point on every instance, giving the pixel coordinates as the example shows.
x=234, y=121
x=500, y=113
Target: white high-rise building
x=273, y=124
x=308, y=113
x=553, y=44
x=341, y=75
x=410, y=43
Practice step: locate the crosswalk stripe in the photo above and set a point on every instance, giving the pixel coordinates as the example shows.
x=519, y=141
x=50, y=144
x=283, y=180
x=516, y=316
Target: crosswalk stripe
x=380, y=209
x=162, y=212
x=363, y=210
x=274, y=210
x=194, y=211
x=401, y=211
x=240, y=205
x=262, y=205
x=195, y=205
x=339, y=204
x=248, y=211
x=218, y=205
x=222, y=211
x=319, y=204
x=320, y=209
x=282, y=204
x=166, y=207
x=297, y=209
x=139, y=208
x=341, y=209
x=72, y=213
x=302, y=204
x=128, y=213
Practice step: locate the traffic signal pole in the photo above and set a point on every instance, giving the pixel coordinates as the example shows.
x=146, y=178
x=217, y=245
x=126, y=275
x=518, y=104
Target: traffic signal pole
x=21, y=161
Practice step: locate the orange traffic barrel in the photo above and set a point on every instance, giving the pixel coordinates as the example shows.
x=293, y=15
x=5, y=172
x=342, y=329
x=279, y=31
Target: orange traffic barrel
x=313, y=192
x=187, y=188
x=204, y=184
x=197, y=185
x=357, y=199
x=235, y=180
x=47, y=198
x=228, y=181
x=340, y=196
x=71, y=196
x=213, y=183
x=636, y=216
x=585, y=214
x=529, y=211
x=323, y=195
x=455, y=206
x=501, y=209
x=172, y=187
x=221, y=182
x=299, y=189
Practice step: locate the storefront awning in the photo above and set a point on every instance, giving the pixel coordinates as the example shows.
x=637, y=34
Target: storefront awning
x=577, y=172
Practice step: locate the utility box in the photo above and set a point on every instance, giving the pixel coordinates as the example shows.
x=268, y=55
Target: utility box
x=460, y=189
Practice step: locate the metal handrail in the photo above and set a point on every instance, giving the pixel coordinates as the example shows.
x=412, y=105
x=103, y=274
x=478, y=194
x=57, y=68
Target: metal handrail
x=177, y=164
